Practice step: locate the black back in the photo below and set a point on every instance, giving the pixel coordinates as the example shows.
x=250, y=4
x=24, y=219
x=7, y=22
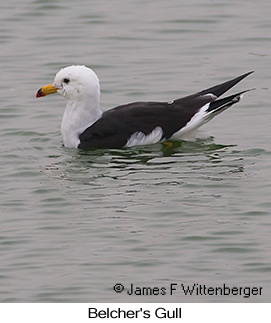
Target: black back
x=116, y=126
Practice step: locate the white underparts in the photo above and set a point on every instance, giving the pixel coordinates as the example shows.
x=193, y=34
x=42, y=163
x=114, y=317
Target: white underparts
x=197, y=120
x=201, y=117
x=139, y=138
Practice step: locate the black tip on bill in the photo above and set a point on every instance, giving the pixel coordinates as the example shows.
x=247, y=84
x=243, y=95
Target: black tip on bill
x=39, y=93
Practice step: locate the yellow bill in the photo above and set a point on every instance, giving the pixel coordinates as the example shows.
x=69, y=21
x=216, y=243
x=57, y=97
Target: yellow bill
x=45, y=90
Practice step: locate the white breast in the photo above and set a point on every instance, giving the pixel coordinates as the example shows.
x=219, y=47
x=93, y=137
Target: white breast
x=76, y=119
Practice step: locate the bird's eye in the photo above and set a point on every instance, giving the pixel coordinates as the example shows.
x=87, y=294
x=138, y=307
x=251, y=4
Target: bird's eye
x=66, y=80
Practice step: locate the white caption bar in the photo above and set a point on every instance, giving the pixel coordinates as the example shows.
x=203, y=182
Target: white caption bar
x=111, y=312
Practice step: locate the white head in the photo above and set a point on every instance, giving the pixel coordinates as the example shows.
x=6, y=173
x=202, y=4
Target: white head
x=77, y=82
x=80, y=86
x=73, y=83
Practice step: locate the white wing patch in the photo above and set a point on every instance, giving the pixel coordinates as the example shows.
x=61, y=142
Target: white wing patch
x=139, y=138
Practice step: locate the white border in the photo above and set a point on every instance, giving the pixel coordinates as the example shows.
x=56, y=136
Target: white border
x=190, y=312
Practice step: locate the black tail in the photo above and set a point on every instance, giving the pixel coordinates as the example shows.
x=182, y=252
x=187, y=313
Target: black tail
x=218, y=106
x=220, y=89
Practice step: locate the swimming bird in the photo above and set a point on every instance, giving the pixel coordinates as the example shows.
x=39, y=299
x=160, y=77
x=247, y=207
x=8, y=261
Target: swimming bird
x=85, y=126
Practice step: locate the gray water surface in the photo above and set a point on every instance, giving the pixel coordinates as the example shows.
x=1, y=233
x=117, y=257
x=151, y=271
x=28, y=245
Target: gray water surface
x=75, y=223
